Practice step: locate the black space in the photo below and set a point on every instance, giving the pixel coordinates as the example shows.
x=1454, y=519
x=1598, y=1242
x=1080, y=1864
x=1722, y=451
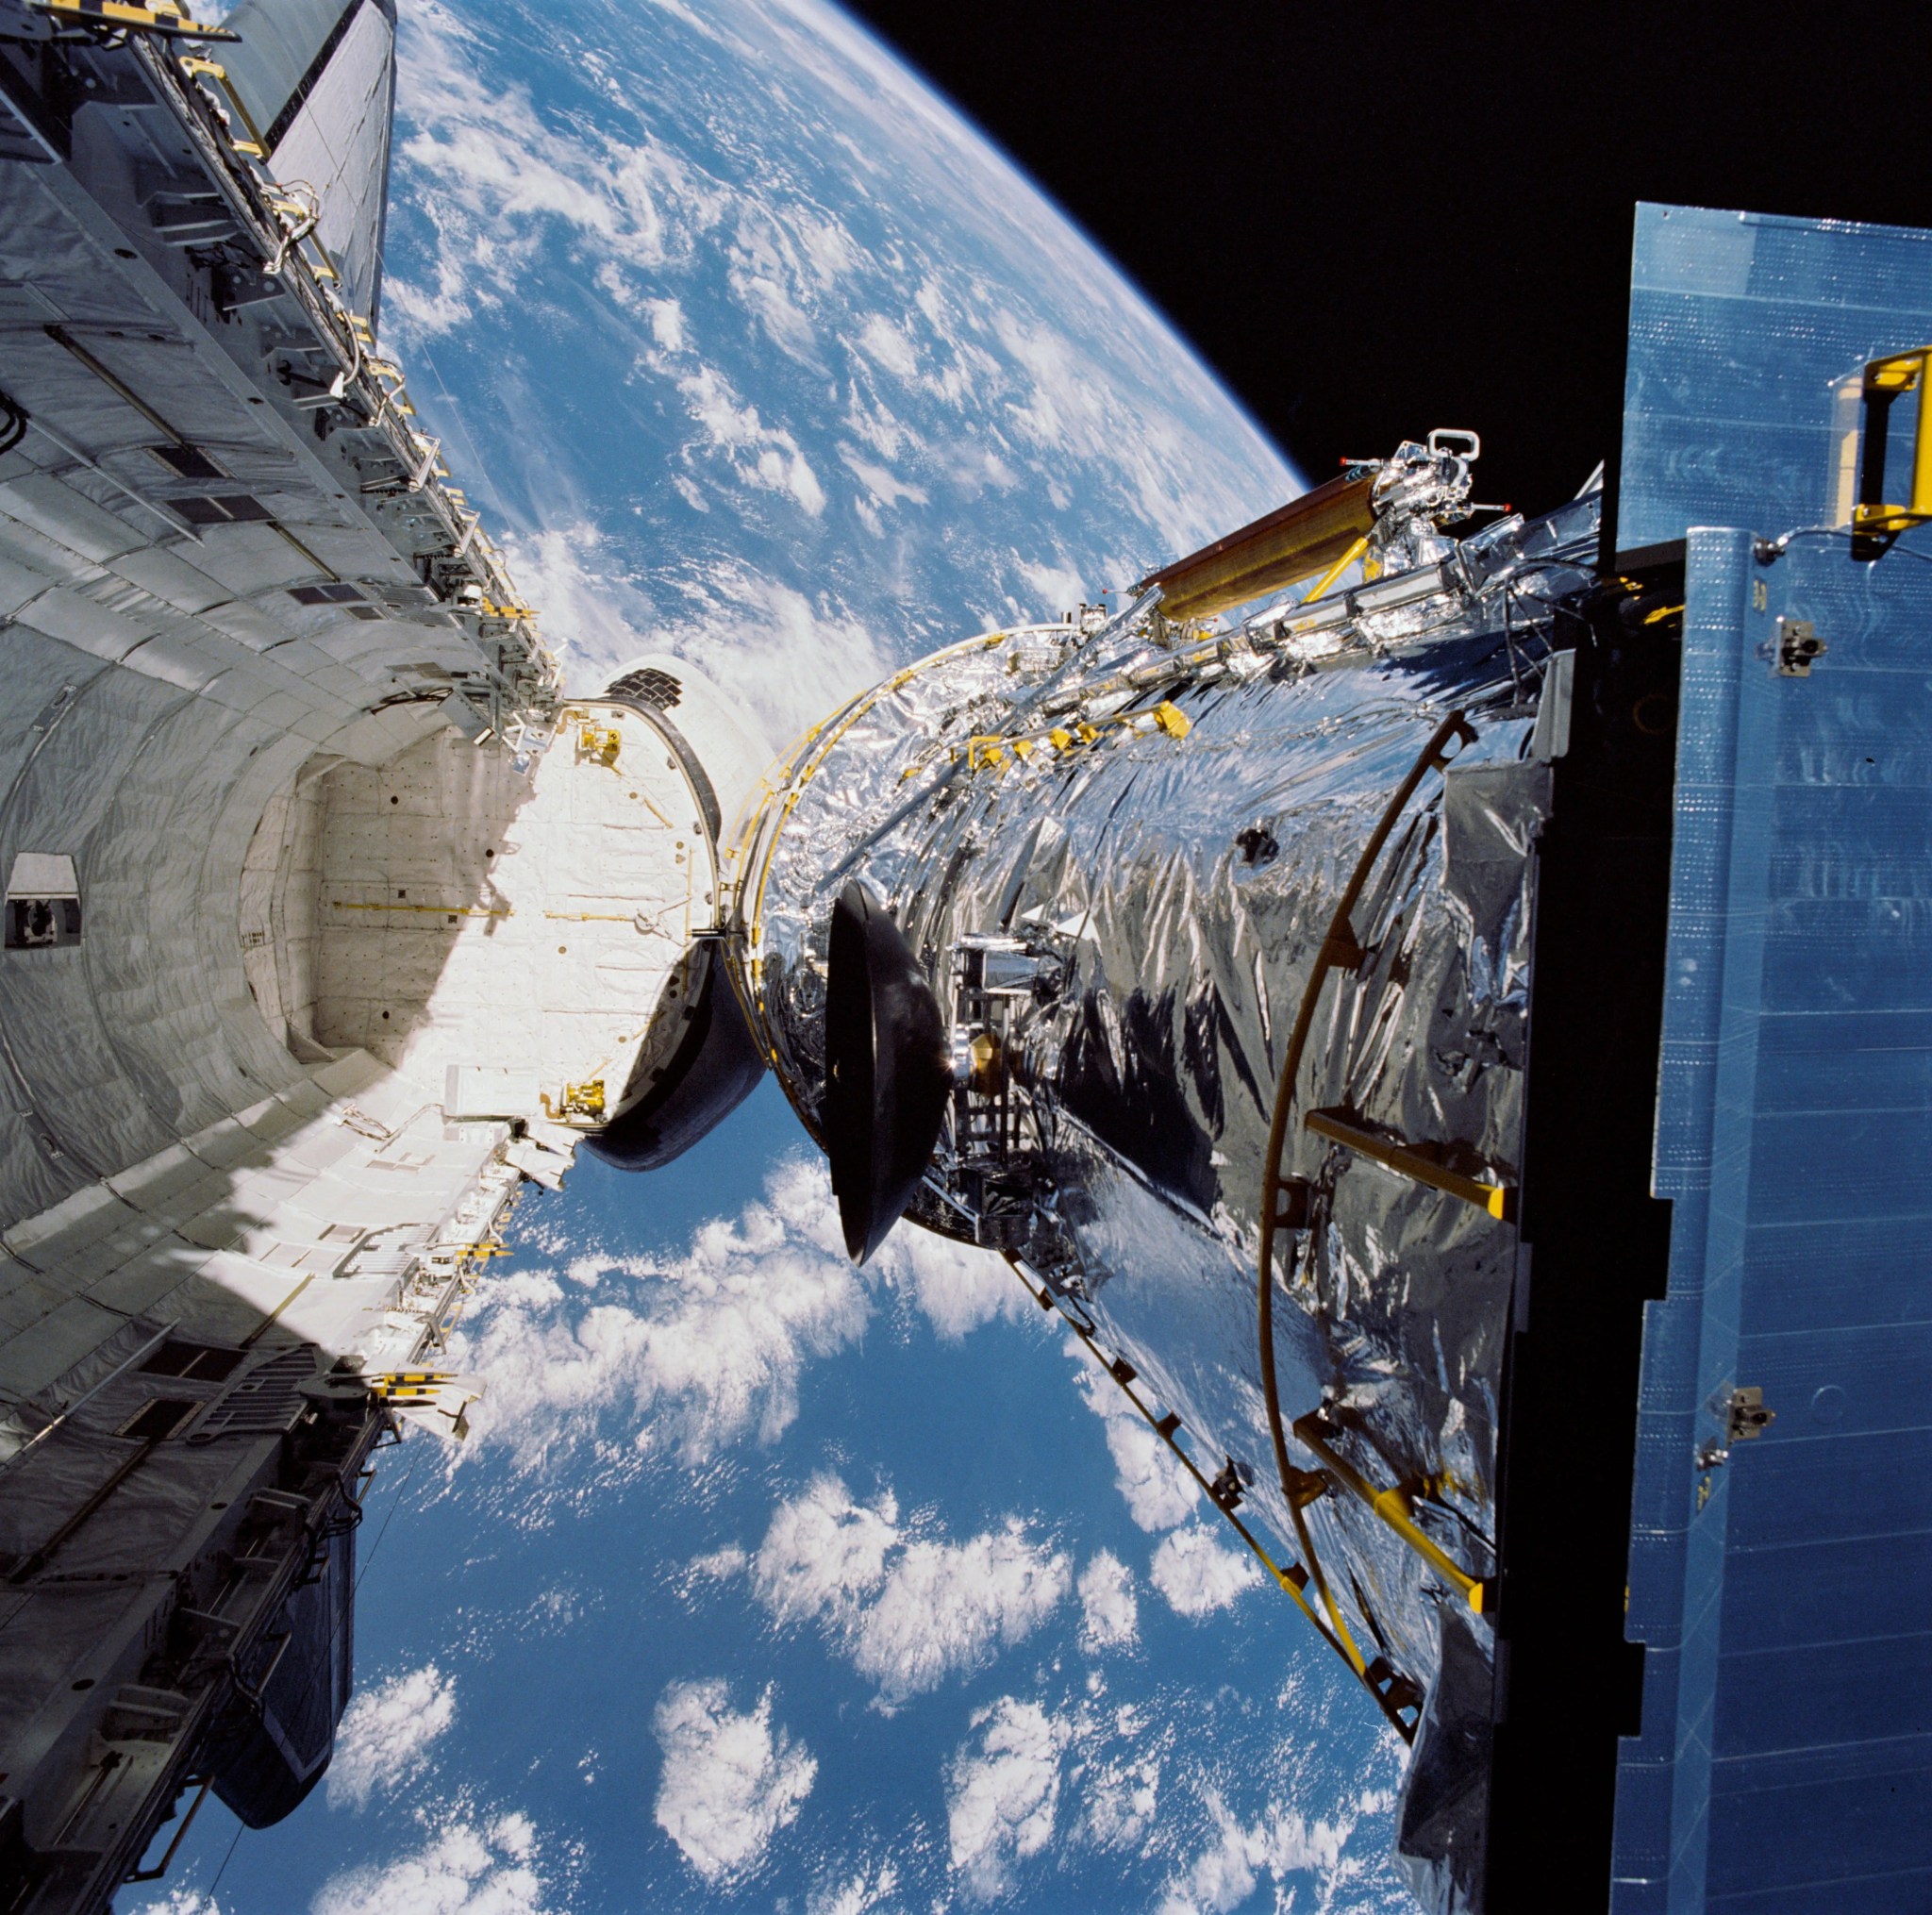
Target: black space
x=1374, y=219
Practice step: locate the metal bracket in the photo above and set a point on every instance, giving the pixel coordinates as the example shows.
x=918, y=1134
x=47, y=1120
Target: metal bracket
x=1745, y=1420
x=1292, y=1211
x=1421, y=1163
x=1748, y=1418
x=1799, y=647
x=1862, y=404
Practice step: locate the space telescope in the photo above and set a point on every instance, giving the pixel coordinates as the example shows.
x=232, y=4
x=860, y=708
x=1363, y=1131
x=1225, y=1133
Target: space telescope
x=1442, y=1019
x=1190, y=962
x=1440, y=1007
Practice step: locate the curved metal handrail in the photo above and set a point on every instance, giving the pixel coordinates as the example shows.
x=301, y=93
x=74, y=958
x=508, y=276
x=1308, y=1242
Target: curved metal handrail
x=762, y=820
x=1339, y=949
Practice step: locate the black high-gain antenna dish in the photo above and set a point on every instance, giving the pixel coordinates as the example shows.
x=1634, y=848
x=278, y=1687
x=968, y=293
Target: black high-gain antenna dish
x=886, y=1071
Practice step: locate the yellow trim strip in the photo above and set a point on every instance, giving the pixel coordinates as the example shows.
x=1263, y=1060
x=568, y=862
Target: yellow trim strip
x=433, y=910
x=162, y=20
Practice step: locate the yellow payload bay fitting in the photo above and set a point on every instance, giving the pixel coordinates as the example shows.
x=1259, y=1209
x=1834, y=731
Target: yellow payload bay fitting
x=600, y=743
x=437, y=1399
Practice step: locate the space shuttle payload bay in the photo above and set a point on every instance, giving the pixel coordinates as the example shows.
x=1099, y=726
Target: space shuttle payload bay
x=329, y=920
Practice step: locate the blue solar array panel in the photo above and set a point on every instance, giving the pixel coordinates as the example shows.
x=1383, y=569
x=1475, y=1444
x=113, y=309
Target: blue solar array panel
x=1784, y=1591
x=1739, y=323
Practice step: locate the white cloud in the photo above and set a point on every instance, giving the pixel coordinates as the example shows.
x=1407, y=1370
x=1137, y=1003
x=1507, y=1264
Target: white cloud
x=1280, y=1843
x=768, y=271
x=466, y=1867
x=386, y=1733
x=870, y=419
x=557, y=1609
x=957, y=1287
x=1056, y=589
x=598, y=610
x=1002, y=1797
x=666, y=318
x=823, y=1554
x=699, y=1351
x=1159, y=1492
x=759, y=455
x=885, y=488
x=1109, y=1610
x=885, y=344
x=571, y=574
x=906, y=1609
x=764, y=276
x=494, y=176
x=720, y=1566
x=796, y=655
x=630, y=1357
x=857, y=1894
x=1198, y=1577
x=730, y=1781
x=944, y=1606
x=1119, y=1794
x=1202, y=1785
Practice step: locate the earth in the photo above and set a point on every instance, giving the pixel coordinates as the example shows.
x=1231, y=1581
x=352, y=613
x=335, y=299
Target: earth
x=763, y=1582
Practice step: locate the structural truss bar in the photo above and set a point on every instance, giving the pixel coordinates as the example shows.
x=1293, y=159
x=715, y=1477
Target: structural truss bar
x=1391, y=1506
x=1418, y=1163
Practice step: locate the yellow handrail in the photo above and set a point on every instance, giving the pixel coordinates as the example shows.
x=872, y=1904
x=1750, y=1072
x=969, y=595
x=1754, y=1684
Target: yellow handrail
x=1391, y=1506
